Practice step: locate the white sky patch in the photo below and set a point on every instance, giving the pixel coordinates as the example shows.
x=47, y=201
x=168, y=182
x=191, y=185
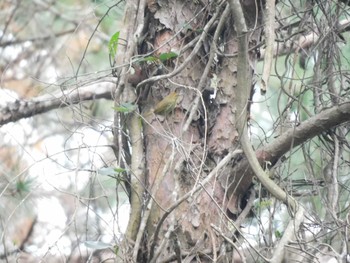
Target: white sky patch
x=7, y=96
x=260, y=115
x=50, y=211
x=121, y=224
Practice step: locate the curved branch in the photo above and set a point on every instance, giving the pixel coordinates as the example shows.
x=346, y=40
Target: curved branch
x=19, y=109
x=242, y=99
x=291, y=138
x=308, y=129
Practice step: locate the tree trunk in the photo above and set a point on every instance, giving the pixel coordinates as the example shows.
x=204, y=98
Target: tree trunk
x=189, y=48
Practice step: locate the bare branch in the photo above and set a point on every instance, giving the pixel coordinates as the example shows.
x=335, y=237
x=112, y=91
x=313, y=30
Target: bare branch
x=308, y=129
x=20, y=109
x=36, y=39
x=291, y=138
x=288, y=235
x=270, y=39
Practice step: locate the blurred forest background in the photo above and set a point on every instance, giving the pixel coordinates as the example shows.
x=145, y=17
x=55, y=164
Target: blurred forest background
x=61, y=196
x=53, y=194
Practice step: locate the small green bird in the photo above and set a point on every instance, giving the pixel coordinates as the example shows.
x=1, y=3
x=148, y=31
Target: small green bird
x=166, y=105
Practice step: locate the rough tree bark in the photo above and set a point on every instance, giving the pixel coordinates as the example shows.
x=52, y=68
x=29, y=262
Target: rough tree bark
x=180, y=197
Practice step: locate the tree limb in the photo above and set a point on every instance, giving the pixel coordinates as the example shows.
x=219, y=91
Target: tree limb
x=270, y=39
x=308, y=129
x=20, y=109
x=291, y=138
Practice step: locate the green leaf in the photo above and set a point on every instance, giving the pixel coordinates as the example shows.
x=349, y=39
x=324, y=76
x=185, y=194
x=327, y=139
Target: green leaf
x=110, y=171
x=98, y=245
x=166, y=56
x=23, y=186
x=125, y=107
x=113, y=44
x=149, y=59
x=116, y=249
x=187, y=26
x=264, y=204
x=119, y=170
x=278, y=234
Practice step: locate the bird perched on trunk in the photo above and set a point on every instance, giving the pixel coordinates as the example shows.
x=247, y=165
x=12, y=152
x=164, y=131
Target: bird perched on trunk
x=166, y=105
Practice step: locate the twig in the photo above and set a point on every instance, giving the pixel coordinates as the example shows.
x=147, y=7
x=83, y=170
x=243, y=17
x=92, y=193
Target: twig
x=334, y=188
x=213, y=50
x=187, y=60
x=289, y=233
x=229, y=240
x=246, y=209
x=36, y=39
